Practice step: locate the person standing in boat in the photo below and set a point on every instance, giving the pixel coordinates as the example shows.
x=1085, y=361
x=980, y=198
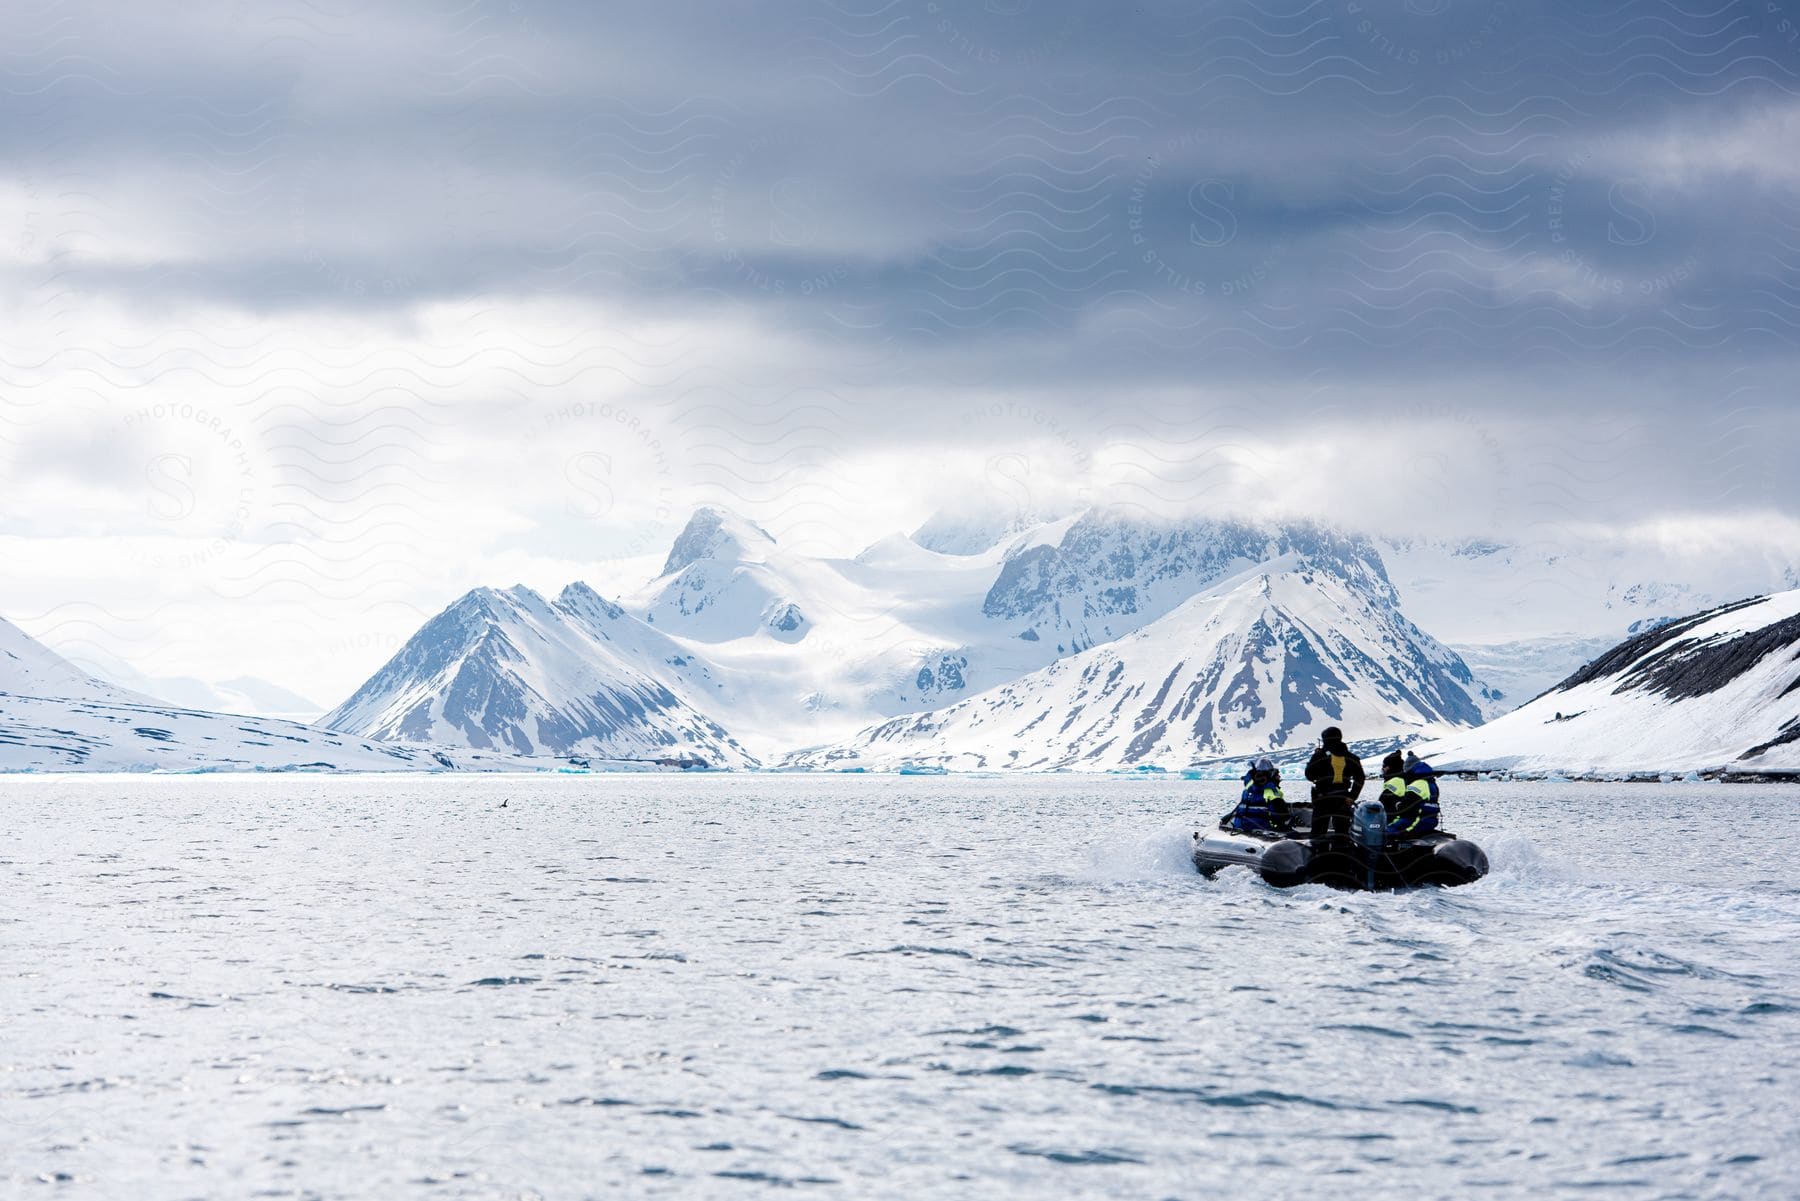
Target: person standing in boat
x=1337, y=780
x=1262, y=806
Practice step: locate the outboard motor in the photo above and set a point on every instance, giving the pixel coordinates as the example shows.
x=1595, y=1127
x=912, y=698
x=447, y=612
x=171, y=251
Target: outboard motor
x=1368, y=829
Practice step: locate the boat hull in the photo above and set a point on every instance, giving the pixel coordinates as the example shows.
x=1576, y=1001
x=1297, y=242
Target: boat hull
x=1439, y=859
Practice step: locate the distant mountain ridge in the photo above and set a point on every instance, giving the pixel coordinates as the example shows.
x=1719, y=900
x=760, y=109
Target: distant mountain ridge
x=744, y=651
x=240, y=694
x=1096, y=640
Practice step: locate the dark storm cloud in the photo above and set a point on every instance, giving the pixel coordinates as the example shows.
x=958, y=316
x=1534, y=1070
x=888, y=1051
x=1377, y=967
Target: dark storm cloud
x=1370, y=197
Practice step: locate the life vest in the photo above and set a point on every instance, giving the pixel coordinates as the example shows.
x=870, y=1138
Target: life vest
x=1340, y=768
x=1398, y=803
x=1420, y=814
x=1256, y=808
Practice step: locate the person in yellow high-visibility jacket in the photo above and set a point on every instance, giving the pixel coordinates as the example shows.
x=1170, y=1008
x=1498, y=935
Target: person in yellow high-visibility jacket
x=1418, y=807
x=1393, y=787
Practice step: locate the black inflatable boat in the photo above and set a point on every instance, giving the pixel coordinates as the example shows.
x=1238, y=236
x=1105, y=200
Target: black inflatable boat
x=1366, y=858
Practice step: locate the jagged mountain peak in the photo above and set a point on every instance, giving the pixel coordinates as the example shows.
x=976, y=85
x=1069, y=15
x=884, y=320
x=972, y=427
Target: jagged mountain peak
x=485, y=601
x=508, y=670
x=726, y=578
x=717, y=533
x=582, y=599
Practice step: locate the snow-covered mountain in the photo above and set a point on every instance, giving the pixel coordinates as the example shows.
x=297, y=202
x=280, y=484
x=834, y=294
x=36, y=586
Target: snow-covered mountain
x=1717, y=690
x=742, y=648
x=1259, y=662
x=1097, y=639
x=1107, y=574
x=29, y=668
x=719, y=583
x=509, y=670
x=738, y=648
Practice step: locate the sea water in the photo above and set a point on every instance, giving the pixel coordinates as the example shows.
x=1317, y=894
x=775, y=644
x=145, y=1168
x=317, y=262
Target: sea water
x=750, y=985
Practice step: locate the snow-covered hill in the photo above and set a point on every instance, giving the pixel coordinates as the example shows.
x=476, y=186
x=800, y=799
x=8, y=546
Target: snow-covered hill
x=1259, y=662
x=56, y=734
x=511, y=671
x=1718, y=690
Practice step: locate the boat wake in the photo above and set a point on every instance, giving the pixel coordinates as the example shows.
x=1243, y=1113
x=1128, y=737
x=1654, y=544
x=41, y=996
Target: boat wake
x=1517, y=858
x=1127, y=855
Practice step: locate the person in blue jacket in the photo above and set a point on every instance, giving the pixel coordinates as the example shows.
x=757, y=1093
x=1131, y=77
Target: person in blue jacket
x=1417, y=808
x=1262, y=806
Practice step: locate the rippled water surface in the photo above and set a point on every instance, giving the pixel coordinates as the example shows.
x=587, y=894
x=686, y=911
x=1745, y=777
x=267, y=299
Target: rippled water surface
x=879, y=987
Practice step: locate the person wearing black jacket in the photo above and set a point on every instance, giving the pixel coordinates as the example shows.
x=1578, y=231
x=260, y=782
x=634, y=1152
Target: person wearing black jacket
x=1336, y=775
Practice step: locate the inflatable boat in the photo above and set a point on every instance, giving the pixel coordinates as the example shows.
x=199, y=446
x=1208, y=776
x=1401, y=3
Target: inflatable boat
x=1367, y=858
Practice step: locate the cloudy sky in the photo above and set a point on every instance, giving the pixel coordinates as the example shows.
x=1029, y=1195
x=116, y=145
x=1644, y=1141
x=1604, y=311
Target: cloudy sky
x=316, y=314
